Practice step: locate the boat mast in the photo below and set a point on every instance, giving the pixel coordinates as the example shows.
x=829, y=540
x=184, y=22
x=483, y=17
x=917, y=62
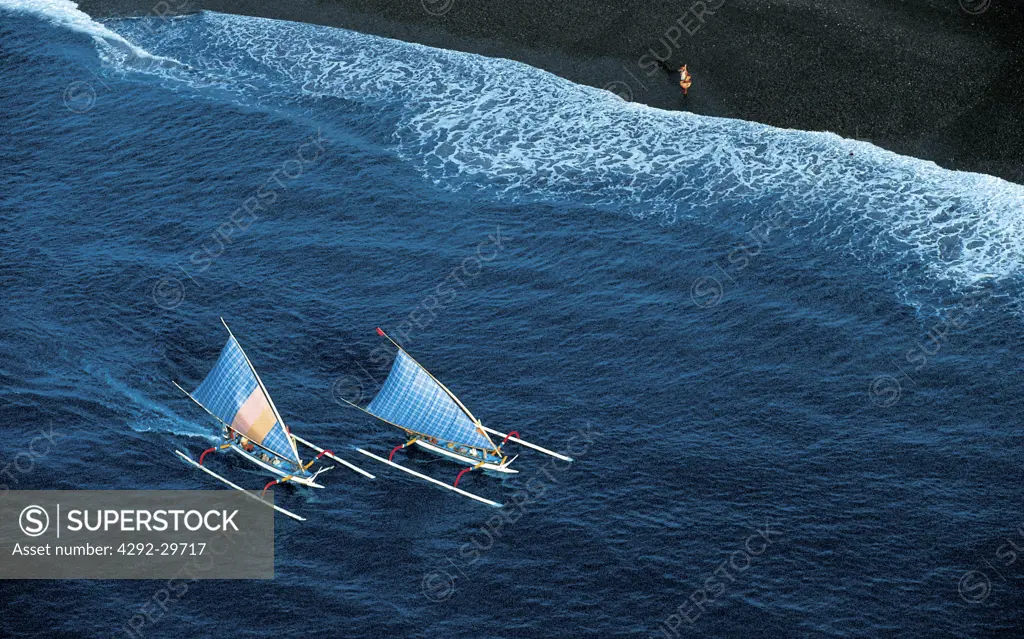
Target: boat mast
x=266, y=393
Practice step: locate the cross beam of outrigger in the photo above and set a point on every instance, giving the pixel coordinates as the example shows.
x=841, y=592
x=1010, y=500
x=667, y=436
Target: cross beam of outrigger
x=239, y=488
x=436, y=482
x=330, y=455
x=512, y=438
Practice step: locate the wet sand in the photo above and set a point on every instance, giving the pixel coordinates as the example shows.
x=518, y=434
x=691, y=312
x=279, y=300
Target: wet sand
x=926, y=78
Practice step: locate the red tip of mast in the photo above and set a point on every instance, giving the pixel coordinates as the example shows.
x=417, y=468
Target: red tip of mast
x=380, y=332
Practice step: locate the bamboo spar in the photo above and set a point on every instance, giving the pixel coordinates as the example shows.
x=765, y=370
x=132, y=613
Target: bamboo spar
x=237, y=487
x=389, y=423
x=529, y=445
x=432, y=480
x=331, y=455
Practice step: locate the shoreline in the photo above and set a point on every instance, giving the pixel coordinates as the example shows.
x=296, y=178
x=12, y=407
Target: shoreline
x=925, y=79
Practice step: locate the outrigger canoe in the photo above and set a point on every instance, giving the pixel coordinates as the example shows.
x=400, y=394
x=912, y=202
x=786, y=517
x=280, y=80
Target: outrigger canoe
x=235, y=396
x=416, y=402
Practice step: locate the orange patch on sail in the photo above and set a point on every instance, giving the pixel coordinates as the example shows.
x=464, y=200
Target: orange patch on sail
x=255, y=418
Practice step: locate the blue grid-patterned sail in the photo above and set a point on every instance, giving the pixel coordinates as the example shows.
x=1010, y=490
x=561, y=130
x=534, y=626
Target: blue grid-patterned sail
x=412, y=399
x=232, y=393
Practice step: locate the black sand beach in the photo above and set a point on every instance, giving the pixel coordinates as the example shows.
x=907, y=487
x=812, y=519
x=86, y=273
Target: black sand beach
x=937, y=79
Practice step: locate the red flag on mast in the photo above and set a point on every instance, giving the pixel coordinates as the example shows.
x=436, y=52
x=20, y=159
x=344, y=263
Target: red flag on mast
x=380, y=332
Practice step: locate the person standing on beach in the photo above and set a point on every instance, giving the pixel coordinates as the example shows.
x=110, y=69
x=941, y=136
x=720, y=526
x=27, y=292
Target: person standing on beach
x=685, y=79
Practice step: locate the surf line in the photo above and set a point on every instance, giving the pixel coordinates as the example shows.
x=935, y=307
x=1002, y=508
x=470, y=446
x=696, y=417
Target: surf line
x=165, y=12
x=81, y=93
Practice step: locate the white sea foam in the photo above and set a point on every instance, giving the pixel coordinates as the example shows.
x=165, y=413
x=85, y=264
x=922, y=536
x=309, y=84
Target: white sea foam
x=470, y=122
x=66, y=14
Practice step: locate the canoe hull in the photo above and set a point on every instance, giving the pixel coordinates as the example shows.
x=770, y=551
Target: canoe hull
x=488, y=467
x=302, y=481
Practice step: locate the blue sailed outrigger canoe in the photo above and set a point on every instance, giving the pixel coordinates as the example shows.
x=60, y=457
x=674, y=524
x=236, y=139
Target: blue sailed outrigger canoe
x=414, y=401
x=235, y=396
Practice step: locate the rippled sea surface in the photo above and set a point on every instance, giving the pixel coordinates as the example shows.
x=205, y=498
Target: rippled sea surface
x=788, y=364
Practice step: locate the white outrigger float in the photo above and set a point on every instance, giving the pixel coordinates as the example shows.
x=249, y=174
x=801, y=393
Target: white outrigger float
x=414, y=401
x=235, y=396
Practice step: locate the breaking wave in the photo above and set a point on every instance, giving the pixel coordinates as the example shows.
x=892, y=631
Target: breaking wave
x=519, y=134
x=66, y=14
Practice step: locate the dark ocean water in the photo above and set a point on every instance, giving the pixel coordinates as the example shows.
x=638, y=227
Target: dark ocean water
x=788, y=364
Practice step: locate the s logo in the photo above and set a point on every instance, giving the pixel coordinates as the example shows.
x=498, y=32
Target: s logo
x=34, y=521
